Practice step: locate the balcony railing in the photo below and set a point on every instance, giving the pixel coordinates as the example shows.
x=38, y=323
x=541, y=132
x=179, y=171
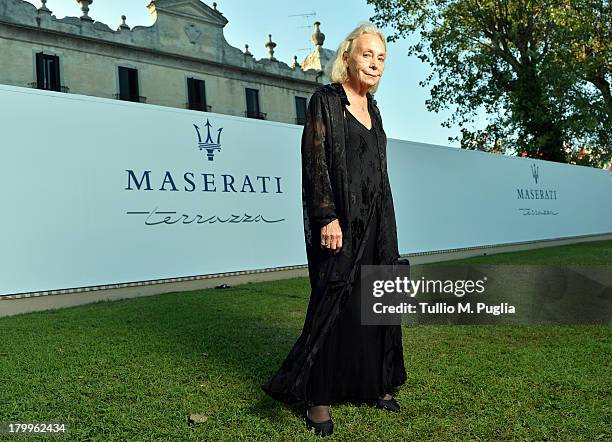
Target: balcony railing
x=253, y=114
x=198, y=106
x=55, y=88
x=136, y=98
x=300, y=120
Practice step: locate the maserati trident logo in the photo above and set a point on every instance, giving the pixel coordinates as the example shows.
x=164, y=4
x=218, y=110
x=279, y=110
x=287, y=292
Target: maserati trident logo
x=209, y=144
x=535, y=172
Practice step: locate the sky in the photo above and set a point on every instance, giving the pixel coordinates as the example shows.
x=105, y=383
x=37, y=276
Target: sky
x=399, y=97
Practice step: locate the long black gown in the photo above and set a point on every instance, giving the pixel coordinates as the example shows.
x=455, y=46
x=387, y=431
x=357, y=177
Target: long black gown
x=349, y=365
x=327, y=194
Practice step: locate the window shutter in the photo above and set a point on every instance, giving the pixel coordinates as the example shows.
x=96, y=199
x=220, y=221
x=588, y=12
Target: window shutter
x=252, y=101
x=123, y=83
x=300, y=109
x=57, y=83
x=135, y=91
x=202, y=89
x=40, y=75
x=190, y=94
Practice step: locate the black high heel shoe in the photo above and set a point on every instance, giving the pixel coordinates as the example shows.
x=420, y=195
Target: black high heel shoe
x=325, y=428
x=388, y=404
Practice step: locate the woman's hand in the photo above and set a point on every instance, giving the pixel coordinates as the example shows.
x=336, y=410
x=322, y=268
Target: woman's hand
x=331, y=236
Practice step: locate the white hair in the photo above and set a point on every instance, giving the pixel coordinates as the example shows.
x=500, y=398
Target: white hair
x=336, y=69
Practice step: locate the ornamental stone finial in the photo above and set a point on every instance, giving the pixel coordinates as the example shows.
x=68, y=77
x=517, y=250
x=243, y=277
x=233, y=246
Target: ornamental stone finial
x=270, y=45
x=246, y=51
x=123, y=26
x=295, y=63
x=85, y=8
x=44, y=8
x=317, y=36
x=215, y=9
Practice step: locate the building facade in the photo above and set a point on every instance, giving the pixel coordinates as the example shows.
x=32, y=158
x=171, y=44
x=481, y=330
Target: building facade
x=182, y=60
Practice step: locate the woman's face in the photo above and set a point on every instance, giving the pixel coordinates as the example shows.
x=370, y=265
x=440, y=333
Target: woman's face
x=366, y=63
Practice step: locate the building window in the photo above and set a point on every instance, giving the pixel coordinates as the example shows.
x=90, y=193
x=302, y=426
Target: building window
x=196, y=95
x=300, y=110
x=48, y=73
x=252, y=97
x=128, y=85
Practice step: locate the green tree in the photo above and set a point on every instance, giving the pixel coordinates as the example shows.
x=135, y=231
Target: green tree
x=540, y=70
x=585, y=28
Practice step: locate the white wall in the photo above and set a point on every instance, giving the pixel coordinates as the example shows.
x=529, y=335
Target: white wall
x=449, y=198
x=66, y=213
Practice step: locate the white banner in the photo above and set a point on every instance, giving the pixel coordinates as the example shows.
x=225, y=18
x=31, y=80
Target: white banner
x=98, y=191
x=447, y=198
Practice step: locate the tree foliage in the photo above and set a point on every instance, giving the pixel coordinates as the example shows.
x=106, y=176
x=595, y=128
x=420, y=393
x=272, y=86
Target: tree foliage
x=541, y=70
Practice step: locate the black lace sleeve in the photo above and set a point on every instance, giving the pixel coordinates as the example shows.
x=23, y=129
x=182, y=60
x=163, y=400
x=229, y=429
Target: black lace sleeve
x=316, y=185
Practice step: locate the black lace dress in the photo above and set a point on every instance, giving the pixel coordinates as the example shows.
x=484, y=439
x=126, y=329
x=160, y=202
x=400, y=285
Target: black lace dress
x=349, y=365
x=336, y=185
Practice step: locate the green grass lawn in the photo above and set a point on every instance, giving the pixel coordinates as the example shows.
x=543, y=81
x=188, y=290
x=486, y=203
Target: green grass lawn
x=586, y=253
x=135, y=369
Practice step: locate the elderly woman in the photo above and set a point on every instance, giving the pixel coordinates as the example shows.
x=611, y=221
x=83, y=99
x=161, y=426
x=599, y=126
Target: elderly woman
x=349, y=221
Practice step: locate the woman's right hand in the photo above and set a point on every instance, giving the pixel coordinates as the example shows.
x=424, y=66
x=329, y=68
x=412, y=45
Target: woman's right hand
x=331, y=236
